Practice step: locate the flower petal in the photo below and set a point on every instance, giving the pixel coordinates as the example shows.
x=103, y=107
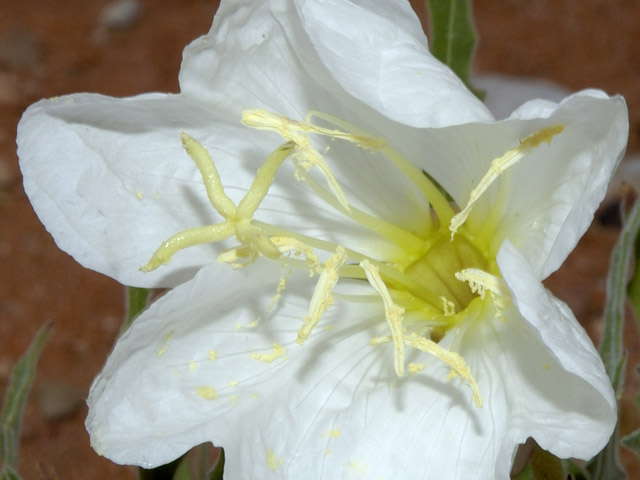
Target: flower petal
x=566, y=377
x=327, y=408
x=110, y=180
x=553, y=191
x=387, y=65
x=556, y=190
x=333, y=407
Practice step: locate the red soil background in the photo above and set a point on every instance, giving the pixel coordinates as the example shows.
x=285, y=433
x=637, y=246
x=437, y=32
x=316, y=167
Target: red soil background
x=54, y=47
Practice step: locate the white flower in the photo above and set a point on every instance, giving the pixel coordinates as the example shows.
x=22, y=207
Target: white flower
x=376, y=330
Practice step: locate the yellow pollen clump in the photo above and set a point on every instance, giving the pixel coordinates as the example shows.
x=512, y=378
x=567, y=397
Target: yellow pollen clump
x=278, y=351
x=416, y=367
x=425, y=278
x=206, y=392
x=273, y=462
x=163, y=350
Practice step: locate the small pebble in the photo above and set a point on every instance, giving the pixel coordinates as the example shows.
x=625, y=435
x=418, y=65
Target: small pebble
x=121, y=14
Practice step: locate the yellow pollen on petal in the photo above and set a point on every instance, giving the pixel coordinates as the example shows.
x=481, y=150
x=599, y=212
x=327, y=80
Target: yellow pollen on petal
x=322, y=298
x=335, y=433
x=416, y=367
x=206, y=392
x=273, y=462
x=163, y=350
x=448, y=306
x=278, y=351
x=239, y=257
x=212, y=355
x=499, y=166
x=254, y=324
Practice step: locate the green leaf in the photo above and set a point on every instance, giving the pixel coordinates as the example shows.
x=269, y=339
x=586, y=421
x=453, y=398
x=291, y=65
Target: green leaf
x=632, y=441
x=453, y=36
x=15, y=400
x=633, y=292
x=136, y=303
x=606, y=465
x=546, y=466
x=525, y=474
x=575, y=471
x=8, y=473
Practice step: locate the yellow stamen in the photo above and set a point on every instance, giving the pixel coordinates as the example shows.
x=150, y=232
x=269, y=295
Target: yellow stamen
x=480, y=281
x=296, y=132
x=322, y=298
x=499, y=166
x=438, y=201
x=455, y=361
x=392, y=312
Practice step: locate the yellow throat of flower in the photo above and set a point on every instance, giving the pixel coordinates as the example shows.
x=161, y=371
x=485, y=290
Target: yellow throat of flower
x=425, y=292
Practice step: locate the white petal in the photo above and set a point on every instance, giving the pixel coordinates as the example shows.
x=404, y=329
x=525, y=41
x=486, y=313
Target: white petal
x=110, y=180
x=387, y=65
x=552, y=192
x=570, y=384
x=557, y=188
x=145, y=407
x=333, y=407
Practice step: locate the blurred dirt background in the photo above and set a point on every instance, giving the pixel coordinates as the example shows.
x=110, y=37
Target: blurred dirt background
x=61, y=46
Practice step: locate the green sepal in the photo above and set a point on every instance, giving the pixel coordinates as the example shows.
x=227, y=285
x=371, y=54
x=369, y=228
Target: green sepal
x=136, y=303
x=453, y=36
x=15, y=400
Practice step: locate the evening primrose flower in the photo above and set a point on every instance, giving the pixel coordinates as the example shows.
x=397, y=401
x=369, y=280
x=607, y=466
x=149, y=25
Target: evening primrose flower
x=355, y=249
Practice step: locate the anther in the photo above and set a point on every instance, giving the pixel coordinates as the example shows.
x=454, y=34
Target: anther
x=499, y=166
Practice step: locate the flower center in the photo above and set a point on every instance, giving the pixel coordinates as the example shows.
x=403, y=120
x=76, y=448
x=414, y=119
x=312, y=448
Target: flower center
x=436, y=270
x=425, y=282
